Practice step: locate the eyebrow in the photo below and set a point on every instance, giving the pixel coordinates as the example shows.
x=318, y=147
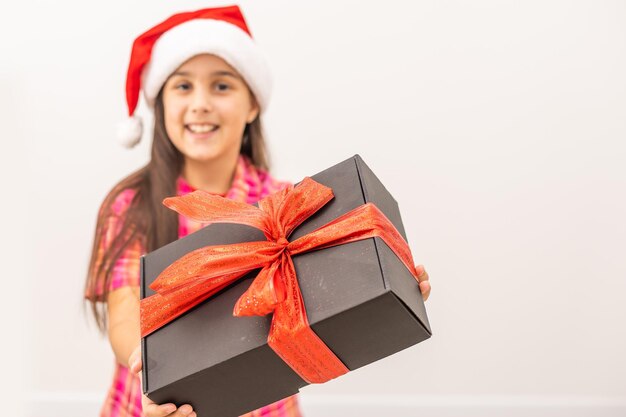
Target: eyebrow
x=213, y=74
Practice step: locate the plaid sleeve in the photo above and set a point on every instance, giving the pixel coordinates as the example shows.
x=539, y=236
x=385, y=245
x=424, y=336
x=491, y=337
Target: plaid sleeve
x=125, y=271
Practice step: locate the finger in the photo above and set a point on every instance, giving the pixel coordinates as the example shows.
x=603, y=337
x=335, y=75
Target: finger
x=151, y=409
x=422, y=275
x=183, y=411
x=424, y=281
x=136, y=366
x=425, y=289
x=134, y=360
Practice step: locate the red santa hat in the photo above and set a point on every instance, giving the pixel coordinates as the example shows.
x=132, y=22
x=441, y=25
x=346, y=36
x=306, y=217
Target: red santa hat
x=156, y=53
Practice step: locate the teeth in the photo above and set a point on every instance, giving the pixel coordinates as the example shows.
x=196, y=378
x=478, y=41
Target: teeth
x=196, y=128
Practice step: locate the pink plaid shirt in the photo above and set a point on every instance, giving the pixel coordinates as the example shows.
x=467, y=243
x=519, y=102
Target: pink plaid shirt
x=250, y=184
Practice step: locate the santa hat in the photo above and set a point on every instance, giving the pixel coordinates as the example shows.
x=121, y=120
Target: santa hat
x=156, y=53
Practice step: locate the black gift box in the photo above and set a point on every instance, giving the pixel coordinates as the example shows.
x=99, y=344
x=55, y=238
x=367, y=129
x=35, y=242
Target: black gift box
x=360, y=300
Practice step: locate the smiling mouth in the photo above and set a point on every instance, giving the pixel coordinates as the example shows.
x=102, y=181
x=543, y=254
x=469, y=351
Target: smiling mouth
x=201, y=128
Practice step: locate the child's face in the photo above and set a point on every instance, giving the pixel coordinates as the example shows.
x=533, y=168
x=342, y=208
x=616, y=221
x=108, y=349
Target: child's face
x=206, y=107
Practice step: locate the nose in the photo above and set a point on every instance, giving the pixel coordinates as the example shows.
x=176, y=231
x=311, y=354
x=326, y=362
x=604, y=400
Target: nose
x=201, y=102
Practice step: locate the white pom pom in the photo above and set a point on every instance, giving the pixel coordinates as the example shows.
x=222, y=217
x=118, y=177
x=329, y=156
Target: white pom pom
x=129, y=131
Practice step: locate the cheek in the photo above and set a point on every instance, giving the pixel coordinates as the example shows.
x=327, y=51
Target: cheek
x=235, y=112
x=173, y=115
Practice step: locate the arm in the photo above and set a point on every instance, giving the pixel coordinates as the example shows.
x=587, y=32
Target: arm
x=123, y=325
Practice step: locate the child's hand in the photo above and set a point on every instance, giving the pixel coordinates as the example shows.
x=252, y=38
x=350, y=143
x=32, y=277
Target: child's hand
x=423, y=280
x=150, y=409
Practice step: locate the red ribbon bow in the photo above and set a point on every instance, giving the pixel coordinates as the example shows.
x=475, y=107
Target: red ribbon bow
x=205, y=271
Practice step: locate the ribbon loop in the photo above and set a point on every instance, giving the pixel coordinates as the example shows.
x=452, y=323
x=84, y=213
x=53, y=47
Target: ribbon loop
x=205, y=207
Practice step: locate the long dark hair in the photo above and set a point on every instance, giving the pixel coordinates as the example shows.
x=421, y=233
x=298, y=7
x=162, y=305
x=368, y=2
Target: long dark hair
x=147, y=221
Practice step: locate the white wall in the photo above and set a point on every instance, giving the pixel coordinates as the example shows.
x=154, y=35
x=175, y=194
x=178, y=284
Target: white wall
x=498, y=126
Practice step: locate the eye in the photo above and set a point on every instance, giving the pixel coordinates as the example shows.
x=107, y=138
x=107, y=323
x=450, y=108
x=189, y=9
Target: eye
x=182, y=86
x=222, y=86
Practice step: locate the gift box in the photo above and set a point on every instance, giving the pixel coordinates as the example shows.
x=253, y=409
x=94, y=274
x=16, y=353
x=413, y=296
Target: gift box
x=360, y=298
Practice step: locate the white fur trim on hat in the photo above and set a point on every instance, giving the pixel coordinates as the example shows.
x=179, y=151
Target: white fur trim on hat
x=216, y=37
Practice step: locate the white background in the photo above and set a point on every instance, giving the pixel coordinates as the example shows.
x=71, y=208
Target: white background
x=499, y=127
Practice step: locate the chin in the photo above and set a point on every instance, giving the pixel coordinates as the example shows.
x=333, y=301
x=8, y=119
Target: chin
x=202, y=157
x=201, y=152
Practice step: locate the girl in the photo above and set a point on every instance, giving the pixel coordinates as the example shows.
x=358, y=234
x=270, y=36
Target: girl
x=207, y=83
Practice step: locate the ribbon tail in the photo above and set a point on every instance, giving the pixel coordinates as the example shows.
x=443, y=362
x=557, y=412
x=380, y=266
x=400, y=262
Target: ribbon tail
x=292, y=206
x=294, y=341
x=265, y=292
x=158, y=310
